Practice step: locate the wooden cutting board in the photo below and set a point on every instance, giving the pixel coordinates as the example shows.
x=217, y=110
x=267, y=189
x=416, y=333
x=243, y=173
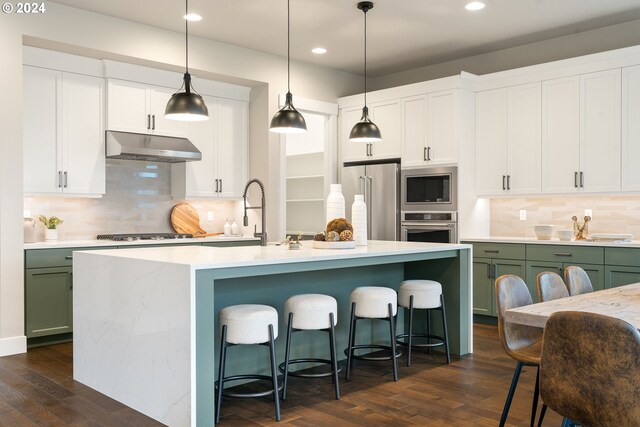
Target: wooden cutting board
x=185, y=220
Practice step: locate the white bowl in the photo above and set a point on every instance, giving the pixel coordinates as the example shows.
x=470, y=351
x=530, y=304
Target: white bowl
x=565, y=235
x=543, y=231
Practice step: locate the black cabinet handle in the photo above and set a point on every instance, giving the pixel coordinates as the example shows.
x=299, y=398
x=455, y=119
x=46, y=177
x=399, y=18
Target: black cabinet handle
x=153, y=122
x=575, y=179
x=69, y=257
x=504, y=186
x=429, y=153
x=221, y=185
x=581, y=179
x=508, y=182
x=562, y=253
x=491, y=251
x=60, y=179
x=216, y=185
x=148, y=121
x=488, y=271
x=66, y=179
x=424, y=154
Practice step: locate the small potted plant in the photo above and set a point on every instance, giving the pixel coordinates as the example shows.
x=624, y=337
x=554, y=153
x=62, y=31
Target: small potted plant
x=51, y=233
x=293, y=244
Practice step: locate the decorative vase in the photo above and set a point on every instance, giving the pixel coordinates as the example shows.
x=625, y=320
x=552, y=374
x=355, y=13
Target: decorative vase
x=359, y=220
x=51, y=234
x=335, y=203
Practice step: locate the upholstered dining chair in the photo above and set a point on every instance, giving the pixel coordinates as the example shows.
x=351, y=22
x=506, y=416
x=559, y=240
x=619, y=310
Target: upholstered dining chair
x=522, y=343
x=590, y=369
x=577, y=280
x=551, y=286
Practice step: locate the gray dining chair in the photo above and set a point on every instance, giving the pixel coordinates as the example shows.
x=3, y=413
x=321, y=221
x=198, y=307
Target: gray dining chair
x=551, y=286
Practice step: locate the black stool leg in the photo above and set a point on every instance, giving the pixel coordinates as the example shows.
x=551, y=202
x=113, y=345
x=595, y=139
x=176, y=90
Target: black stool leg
x=542, y=413
x=512, y=390
x=446, y=332
x=286, y=357
x=274, y=372
x=223, y=357
x=428, y=330
x=536, y=392
x=410, y=330
x=334, y=356
x=392, y=326
x=352, y=333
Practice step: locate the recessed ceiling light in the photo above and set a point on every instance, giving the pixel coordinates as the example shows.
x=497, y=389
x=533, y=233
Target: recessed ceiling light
x=194, y=17
x=319, y=50
x=475, y=5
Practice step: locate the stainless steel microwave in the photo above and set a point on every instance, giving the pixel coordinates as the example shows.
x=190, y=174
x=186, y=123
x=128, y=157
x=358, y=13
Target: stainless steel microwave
x=430, y=189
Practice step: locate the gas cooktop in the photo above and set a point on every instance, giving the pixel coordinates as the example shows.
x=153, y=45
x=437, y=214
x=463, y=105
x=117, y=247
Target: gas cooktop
x=143, y=236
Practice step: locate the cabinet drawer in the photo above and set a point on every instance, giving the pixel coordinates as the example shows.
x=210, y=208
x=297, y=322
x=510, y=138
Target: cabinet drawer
x=622, y=256
x=39, y=258
x=499, y=250
x=566, y=254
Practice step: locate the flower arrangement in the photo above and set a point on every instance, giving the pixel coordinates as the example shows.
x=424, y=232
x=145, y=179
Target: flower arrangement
x=51, y=223
x=293, y=243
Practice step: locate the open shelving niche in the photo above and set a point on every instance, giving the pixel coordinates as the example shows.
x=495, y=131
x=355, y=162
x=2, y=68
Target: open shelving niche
x=305, y=193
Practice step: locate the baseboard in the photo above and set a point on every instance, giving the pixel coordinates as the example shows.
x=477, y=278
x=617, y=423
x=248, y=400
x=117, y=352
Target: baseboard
x=13, y=345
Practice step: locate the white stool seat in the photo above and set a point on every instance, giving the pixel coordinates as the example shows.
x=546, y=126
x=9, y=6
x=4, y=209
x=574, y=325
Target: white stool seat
x=249, y=323
x=426, y=293
x=311, y=311
x=373, y=301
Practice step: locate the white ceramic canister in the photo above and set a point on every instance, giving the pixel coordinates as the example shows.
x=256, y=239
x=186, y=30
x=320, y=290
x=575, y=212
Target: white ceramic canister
x=359, y=220
x=335, y=203
x=227, y=228
x=29, y=230
x=235, y=229
x=51, y=234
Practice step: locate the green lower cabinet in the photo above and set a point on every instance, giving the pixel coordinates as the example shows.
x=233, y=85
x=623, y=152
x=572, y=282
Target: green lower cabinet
x=485, y=273
x=620, y=275
x=48, y=301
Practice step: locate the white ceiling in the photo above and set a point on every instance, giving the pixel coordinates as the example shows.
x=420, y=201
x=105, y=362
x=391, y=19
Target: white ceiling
x=403, y=34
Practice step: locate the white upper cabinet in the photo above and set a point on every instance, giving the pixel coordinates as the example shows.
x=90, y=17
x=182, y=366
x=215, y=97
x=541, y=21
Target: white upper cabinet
x=138, y=107
x=430, y=129
x=630, y=128
x=508, y=140
x=581, y=146
x=222, y=140
x=351, y=151
x=63, y=133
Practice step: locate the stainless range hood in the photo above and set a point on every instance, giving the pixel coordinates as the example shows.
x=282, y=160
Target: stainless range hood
x=155, y=148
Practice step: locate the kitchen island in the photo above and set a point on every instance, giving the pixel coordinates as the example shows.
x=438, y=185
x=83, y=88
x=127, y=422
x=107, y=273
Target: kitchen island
x=146, y=330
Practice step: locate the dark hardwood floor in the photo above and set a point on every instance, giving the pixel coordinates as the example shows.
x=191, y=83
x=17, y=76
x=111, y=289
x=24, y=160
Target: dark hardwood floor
x=37, y=388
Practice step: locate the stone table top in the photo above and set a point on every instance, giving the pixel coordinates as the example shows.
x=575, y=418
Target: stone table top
x=622, y=302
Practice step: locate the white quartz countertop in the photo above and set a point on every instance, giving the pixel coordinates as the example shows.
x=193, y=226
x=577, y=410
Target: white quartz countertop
x=97, y=243
x=554, y=241
x=204, y=257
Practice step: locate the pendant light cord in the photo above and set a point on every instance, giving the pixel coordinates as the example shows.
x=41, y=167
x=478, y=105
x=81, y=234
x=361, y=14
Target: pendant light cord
x=288, y=49
x=186, y=38
x=365, y=57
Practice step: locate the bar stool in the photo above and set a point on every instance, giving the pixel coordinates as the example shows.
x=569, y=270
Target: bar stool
x=373, y=302
x=423, y=295
x=311, y=312
x=248, y=324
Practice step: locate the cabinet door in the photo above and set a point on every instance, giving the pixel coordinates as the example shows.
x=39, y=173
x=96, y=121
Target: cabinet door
x=158, y=98
x=387, y=116
x=351, y=151
x=41, y=131
x=414, y=131
x=127, y=106
x=620, y=276
x=507, y=266
x=560, y=135
x=630, y=128
x=199, y=178
x=523, y=136
x=536, y=267
x=491, y=142
x=48, y=300
x=600, y=98
x=232, y=120
x=483, y=292
x=442, y=127
x=83, y=134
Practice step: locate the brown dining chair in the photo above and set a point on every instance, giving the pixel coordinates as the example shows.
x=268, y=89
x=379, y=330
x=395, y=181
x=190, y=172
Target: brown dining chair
x=590, y=369
x=577, y=280
x=551, y=286
x=522, y=343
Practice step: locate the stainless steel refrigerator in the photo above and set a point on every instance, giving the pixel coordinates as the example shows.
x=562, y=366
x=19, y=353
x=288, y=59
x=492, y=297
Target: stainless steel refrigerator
x=380, y=185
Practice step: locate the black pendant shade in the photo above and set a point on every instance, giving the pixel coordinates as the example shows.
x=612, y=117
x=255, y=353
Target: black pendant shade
x=365, y=130
x=187, y=105
x=288, y=119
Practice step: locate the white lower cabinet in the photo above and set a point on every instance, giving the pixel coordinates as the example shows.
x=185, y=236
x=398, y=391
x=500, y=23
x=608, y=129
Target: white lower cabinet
x=63, y=133
x=630, y=128
x=222, y=139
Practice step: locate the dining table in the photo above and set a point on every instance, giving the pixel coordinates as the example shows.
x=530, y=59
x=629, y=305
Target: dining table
x=622, y=302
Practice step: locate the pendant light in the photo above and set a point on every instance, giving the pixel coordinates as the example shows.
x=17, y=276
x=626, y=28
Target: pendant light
x=365, y=130
x=187, y=105
x=288, y=119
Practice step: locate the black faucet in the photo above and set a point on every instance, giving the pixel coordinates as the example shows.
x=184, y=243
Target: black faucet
x=262, y=207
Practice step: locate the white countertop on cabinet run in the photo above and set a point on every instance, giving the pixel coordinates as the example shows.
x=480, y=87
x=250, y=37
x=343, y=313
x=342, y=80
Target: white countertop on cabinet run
x=554, y=241
x=94, y=243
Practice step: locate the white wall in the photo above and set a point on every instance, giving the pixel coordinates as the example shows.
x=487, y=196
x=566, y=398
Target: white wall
x=587, y=42
x=76, y=31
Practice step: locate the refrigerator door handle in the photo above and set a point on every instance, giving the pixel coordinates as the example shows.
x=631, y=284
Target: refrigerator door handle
x=369, y=203
x=361, y=186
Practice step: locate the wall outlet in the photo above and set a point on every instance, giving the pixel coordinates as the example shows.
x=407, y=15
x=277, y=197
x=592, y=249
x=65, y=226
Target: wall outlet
x=209, y=216
x=523, y=214
x=588, y=212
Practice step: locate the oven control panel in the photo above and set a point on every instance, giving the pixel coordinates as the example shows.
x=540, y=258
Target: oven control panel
x=430, y=216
